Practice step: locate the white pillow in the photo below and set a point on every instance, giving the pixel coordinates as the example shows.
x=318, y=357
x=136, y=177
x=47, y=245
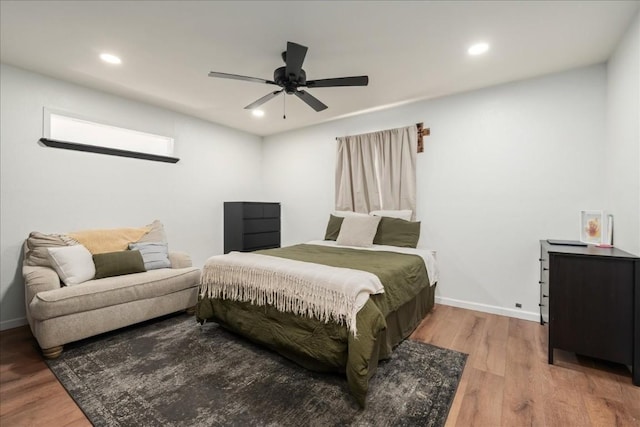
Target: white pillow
x=358, y=231
x=344, y=214
x=74, y=264
x=402, y=214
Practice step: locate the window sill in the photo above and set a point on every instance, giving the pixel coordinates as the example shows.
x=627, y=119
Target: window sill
x=103, y=150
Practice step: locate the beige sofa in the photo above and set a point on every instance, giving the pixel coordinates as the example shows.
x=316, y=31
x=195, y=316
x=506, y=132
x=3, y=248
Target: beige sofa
x=60, y=314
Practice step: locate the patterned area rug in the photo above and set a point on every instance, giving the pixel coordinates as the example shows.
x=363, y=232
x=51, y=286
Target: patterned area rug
x=174, y=372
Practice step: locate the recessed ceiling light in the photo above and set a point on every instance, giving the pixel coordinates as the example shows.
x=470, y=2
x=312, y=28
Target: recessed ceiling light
x=478, y=49
x=257, y=113
x=111, y=59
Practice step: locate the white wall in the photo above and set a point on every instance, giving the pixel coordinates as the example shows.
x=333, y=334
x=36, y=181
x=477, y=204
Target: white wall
x=503, y=168
x=54, y=190
x=623, y=140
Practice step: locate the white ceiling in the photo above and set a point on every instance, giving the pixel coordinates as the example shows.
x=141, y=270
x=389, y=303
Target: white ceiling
x=410, y=50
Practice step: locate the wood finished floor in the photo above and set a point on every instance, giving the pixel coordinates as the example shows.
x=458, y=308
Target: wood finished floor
x=506, y=382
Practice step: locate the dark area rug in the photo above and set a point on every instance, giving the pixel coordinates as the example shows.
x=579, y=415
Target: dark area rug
x=174, y=372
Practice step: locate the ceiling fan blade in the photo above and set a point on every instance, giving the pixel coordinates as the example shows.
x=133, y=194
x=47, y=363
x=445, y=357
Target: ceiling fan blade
x=339, y=81
x=262, y=100
x=295, y=58
x=238, y=77
x=311, y=100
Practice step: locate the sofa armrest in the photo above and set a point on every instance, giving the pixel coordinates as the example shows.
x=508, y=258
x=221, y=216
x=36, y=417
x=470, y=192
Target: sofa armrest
x=179, y=259
x=39, y=279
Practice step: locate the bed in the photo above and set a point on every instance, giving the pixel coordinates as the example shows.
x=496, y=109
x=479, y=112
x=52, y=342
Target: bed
x=315, y=339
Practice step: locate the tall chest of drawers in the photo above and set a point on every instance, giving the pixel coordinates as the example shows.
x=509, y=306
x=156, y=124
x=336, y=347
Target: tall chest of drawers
x=590, y=299
x=249, y=226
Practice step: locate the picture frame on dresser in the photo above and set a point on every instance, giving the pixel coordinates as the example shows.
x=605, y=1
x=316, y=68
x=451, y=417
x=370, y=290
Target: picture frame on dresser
x=591, y=224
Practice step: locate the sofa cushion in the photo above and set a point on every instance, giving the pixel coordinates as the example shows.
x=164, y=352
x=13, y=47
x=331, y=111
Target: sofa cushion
x=108, y=240
x=37, y=245
x=118, y=263
x=109, y=291
x=156, y=233
x=154, y=254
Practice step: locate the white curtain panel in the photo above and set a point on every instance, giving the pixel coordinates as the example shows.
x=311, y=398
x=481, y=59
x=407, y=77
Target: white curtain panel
x=377, y=171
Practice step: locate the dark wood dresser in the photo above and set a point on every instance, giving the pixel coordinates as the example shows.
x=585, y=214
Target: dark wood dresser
x=249, y=226
x=590, y=298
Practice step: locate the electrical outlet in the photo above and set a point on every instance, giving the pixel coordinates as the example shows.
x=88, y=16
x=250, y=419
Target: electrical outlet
x=518, y=305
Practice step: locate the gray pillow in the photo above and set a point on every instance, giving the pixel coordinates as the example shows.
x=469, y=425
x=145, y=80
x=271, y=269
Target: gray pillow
x=154, y=254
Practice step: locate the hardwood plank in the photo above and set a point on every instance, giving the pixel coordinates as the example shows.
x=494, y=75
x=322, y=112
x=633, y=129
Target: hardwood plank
x=631, y=398
x=523, y=402
x=471, y=325
x=454, y=411
x=491, y=349
x=58, y=410
x=482, y=399
x=429, y=325
x=30, y=394
x=564, y=402
x=608, y=412
x=442, y=332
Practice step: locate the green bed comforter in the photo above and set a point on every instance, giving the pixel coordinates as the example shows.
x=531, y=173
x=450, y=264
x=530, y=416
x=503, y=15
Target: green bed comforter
x=327, y=346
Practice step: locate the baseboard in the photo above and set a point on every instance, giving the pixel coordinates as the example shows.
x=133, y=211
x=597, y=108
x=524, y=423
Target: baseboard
x=13, y=323
x=493, y=309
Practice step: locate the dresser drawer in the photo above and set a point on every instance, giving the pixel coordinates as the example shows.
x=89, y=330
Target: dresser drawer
x=271, y=210
x=261, y=240
x=252, y=210
x=261, y=225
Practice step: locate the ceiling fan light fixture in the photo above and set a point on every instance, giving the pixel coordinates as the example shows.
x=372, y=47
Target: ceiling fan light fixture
x=257, y=113
x=111, y=59
x=478, y=49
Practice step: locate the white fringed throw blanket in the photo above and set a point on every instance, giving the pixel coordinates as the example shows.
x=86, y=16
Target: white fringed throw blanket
x=304, y=288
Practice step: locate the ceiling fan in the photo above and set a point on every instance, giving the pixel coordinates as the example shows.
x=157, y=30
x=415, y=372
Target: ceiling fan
x=292, y=76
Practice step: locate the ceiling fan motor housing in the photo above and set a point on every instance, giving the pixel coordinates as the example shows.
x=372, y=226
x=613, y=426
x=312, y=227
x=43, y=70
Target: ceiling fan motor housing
x=289, y=83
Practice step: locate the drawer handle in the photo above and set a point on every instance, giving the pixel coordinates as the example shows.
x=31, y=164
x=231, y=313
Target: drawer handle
x=540, y=281
x=540, y=305
x=545, y=296
x=541, y=259
x=545, y=268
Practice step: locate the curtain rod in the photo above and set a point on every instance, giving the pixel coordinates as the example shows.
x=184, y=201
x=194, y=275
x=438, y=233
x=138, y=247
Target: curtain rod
x=422, y=132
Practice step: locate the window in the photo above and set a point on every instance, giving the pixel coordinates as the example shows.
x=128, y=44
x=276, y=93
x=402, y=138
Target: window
x=62, y=130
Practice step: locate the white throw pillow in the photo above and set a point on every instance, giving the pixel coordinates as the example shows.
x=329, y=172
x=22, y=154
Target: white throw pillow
x=402, y=214
x=344, y=214
x=74, y=264
x=358, y=231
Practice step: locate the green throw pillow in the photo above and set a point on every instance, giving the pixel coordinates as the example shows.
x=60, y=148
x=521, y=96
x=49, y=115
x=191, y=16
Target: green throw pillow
x=118, y=263
x=333, y=227
x=397, y=232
